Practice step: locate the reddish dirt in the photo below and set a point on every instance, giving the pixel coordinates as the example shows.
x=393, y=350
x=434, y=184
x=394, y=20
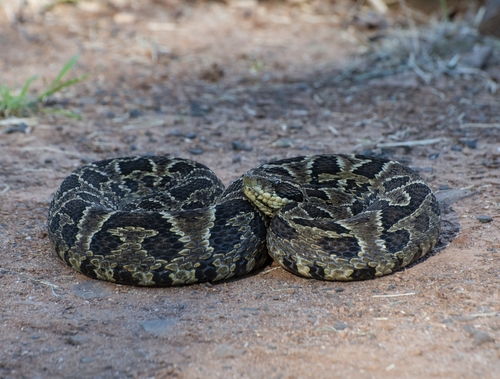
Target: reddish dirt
x=272, y=77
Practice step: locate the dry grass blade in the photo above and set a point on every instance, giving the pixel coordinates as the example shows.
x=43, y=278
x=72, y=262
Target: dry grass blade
x=397, y=294
x=410, y=143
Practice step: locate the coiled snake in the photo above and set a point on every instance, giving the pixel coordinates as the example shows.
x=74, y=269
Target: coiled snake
x=162, y=221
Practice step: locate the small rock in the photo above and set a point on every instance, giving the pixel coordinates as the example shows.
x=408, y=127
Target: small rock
x=134, y=113
x=426, y=169
x=339, y=289
x=470, y=143
x=196, y=151
x=295, y=124
x=176, y=133
x=238, y=145
x=253, y=311
x=198, y=110
x=159, y=327
x=237, y=158
x=190, y=135
x=341, y=326
x=282, y=142
x=456, y=148
x=17, y=128
x=77, y=340
x=249, y=111
x=299, y=112
x=484, y=219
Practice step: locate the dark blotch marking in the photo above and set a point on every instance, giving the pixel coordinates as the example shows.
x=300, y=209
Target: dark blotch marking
x=371, y=168
x=394, y=183
x=131, y=185
x=127, y=167
x=70, y=183
x=94, y=177
x=288, y=191
x=396, y=241
x=312, y=192
x=345, y=247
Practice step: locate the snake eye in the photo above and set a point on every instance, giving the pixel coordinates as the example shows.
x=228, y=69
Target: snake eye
x=276, y=183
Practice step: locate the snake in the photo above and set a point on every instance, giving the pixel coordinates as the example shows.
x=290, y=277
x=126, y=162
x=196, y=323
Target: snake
x=167, y=221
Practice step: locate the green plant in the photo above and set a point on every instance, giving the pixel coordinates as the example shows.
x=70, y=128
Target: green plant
x=444, y=9
x=18, y=104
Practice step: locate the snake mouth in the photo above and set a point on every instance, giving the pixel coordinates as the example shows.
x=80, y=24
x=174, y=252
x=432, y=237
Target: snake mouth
x=260, y=192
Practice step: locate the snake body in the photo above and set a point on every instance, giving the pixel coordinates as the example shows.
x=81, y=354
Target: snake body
x=163, y=221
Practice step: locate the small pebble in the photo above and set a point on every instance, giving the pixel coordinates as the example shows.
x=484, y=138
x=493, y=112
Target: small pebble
x=198, y=110
x=190, y=135
x=341, y=326
x=134, y=113
x=159, y=327
x=484, y=218
x=19, y=128
x=237, y=159
x=426, y=169
x=456, y=148
x=110, y=114
x=282, y=142
x=339, y=289
x=77, y=340
x=444, y=187
x=238, y=145
x=196, y=151
x=295, y=124
x=470, y=143
x=176, y=133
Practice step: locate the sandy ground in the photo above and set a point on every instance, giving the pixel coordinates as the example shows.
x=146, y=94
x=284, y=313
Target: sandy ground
x=234, y=85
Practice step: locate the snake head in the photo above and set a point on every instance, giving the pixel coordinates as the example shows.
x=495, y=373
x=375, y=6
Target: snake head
x=270, y=193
